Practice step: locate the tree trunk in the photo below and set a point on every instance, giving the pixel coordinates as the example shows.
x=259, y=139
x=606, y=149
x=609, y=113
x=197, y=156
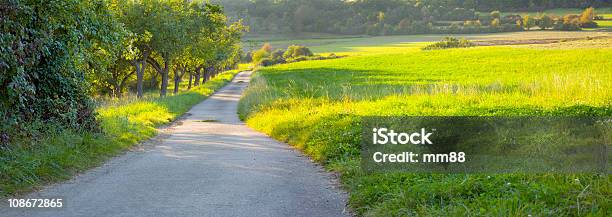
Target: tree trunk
x=153, y=83
x=197, y=76
x=190, y=80
x=177, y=80
x=117, y=90
x=165, y=72
x=140, y=70
x=208, y=73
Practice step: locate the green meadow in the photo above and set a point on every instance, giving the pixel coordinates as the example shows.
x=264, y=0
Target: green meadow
x=317, y=106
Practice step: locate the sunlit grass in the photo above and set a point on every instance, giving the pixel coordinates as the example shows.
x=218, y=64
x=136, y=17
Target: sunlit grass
x=316, y=106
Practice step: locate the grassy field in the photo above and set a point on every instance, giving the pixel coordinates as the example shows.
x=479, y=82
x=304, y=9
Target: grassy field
x=316, y=106
x=53, y=155
x=365, y=45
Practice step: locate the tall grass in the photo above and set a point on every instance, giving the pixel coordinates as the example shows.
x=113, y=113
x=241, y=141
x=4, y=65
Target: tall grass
x=57, y=153
x=317, y=107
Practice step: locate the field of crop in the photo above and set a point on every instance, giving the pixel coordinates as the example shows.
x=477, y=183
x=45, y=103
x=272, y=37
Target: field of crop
x=316, y=106
x=365, y=45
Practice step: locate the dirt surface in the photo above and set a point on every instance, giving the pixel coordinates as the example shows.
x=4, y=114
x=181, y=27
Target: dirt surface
x=210, y=164
x=534, y=41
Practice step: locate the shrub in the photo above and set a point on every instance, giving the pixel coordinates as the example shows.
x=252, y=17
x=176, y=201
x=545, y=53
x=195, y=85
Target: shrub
x=469, y=23
x=495, y=15
x=295, y=51
x=511, y=27
x=267, y=62
x=259, y=55
x=512, y=18
x=545, y=22
x=529, y=21
x=495, y=22
x=569, y=22
x=267, y=47
x=485, y=19
x=586, y=18
x=44, y=60
x=449, y=42
x=278, y=54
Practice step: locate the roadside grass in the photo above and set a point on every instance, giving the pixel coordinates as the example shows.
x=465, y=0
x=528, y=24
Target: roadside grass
x=56, y=154
x=317, y=106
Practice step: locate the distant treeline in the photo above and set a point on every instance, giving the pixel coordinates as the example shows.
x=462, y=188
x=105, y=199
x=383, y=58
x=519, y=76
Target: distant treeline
x=378, y=17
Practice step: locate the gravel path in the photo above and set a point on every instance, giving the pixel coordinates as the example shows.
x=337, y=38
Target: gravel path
x=210, y=164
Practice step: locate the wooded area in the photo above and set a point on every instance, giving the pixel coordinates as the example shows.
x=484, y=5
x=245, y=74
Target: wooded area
x=390, y=17
x=57, y=55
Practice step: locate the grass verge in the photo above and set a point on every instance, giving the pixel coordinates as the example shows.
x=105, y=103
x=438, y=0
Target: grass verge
x=56, y=154
x=317, y=106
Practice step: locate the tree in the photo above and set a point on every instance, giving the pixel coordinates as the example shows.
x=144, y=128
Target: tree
x=495, y=15
x=48, y=50
x=495, y=22
x=586, y=18
x=134, y=16
x=528, y=22
x=545, y=22
x=587, y=15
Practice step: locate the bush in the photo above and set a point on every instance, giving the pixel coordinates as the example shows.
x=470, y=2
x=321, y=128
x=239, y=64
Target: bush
x=259, y=55
x=295, y=51
x=449, y=42
x=278, y=54
x=45, y=60
x=545, y=22
x=495, y=22
x=512, y=19
x=267, y=62
x=495, y=15
x=569, y=22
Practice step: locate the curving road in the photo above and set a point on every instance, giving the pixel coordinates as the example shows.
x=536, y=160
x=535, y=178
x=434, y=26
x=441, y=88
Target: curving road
x=211, y=164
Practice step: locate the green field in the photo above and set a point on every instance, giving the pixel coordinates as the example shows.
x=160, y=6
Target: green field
x=365, y=45
x=316, y=106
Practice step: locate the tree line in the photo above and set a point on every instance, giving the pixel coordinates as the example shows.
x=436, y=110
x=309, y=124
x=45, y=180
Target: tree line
x=381, y=17
x=56, y=55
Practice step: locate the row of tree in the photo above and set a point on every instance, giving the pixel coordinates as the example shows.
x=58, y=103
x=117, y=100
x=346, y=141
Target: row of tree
x=514, y=22
x=55, y=55
x=376, y=17
x=185, y=37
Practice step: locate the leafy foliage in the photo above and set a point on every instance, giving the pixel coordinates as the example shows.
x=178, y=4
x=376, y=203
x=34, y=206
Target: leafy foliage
x=47, y=49
x=295, y=51
x=449, y=42
x=57, y=56
x=381, y=17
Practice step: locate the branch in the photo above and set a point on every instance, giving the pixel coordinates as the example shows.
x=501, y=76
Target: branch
x=155, y=64
x=125, y=78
